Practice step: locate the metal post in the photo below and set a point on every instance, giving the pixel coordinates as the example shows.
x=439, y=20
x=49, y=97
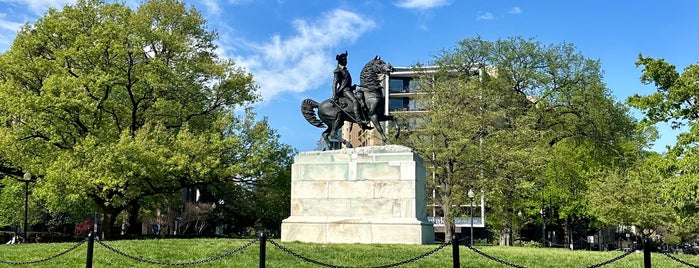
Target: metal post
x=263, y=249
x=471, y=195
x=471, y=221
x=455, y=248
x=90, y=249
x=646, y=253
x=543, y=227
x=26, y=210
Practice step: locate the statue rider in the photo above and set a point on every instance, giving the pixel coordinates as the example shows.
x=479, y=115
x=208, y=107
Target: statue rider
x=342, y=87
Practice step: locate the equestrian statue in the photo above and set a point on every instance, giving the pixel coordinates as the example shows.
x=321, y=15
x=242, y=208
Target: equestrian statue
x=361, y=106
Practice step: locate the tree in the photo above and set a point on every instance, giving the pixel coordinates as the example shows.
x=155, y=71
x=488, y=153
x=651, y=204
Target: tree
x=497, y=112
x=12, y=205
x=263, y=200
x=675, y=101
x=632, y=197
x=568, y=126
x=443, y=148
x=109, y=105
x=676, y=97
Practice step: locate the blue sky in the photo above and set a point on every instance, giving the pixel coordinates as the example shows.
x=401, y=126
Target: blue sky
x=290, y=46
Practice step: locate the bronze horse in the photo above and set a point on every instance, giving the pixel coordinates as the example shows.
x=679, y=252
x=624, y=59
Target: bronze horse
x=333, y=115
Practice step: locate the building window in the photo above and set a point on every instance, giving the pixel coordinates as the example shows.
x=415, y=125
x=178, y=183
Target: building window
x=399, y=104
x=399, y=85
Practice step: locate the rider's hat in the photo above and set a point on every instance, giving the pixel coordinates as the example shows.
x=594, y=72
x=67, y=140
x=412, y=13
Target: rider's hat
x=341, y=55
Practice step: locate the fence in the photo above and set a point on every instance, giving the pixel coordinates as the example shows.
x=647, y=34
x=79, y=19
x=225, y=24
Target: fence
x=263, y=240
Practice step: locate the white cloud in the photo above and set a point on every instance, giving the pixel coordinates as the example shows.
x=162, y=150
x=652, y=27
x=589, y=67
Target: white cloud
x=6, y=25
x=302, y=61
x=39, y=6
x=212, y=6
x=239, y=2
x=485, y=16
x=422, y=4
x=515, y=10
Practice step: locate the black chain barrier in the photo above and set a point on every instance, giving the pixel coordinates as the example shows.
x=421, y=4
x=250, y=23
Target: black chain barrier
x=612, y=260
x=416, y=258
x=215, y=258
x=680, y=261
x=47, y=258
x=519, y=266
x=494, y=258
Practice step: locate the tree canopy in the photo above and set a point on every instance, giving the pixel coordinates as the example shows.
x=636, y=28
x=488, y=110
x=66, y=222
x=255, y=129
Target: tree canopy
x=502, y=116
x=675, y=101
x=110, y=104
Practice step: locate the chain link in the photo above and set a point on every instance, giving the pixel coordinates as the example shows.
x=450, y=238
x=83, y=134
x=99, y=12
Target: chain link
x=519, y=266
x=612, y=260
x=416, y=258
x=680, y=261
x=297, y=255
x=494, y=258
x=215, y=258
x=47, y=258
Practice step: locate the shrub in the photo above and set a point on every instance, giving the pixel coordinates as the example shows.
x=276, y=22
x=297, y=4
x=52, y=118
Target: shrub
x=528, y=244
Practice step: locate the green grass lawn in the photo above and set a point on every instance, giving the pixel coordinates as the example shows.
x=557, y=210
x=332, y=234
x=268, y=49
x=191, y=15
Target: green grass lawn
x=356, y=255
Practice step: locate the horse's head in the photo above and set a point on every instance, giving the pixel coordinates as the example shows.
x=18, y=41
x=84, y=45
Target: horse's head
x=373, y=73
x=381, y=66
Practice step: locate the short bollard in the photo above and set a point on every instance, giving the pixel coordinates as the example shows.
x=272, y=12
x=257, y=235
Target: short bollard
x=90, y=249
x=646, y=253
x=263, y=249
x=455, y=249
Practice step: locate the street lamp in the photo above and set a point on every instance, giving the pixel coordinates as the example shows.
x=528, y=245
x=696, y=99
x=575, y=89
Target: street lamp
x=27, y=178
x=470, y=196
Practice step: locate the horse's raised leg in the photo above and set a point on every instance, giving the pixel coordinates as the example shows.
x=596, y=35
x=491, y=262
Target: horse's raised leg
x=377, y=124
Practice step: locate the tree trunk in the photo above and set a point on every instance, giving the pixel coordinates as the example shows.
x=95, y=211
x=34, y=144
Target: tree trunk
x=109, y=215
x=135, y=227
x=448, y=222
x=505, y=236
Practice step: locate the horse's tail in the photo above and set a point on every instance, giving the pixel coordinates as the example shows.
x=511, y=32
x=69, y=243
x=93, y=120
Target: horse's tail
x=307, y=109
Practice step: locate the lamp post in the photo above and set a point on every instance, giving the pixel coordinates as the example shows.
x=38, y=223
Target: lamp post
x=470, y=196
x=27, y=178
x=543, y=227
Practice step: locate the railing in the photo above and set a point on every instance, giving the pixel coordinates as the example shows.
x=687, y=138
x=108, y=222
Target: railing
x=458, y=221
x=262, y=240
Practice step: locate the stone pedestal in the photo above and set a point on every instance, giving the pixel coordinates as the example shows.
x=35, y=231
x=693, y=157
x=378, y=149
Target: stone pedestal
x=363, y=195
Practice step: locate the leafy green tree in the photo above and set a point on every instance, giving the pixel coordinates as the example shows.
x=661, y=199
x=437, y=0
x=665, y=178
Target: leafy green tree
x=449, y=104
x=497, y=116
x=675, y=101
x=12, y=205
x=632, y=197
x=569, y=126
x=262, y=198
x=676, y=96
x=108, y=104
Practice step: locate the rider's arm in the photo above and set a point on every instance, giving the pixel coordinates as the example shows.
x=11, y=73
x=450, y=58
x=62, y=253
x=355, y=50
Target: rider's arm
x=337, y=78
